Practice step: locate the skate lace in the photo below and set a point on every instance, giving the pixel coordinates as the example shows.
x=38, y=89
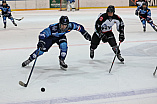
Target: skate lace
x=119, y=56
x=27, y=61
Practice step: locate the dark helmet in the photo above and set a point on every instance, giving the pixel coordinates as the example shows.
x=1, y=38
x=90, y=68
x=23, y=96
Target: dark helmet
x=3, y=1
x=110, y=8
x=144, y=3
x=64, y=20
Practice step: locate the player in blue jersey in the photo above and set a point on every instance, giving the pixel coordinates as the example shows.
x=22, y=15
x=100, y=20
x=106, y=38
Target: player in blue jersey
x=6, y=12
x=145, y=15
x=70, y=3
x=55, y=33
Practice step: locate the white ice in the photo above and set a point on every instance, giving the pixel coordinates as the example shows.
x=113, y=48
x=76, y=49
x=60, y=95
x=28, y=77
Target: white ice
x=86, y=81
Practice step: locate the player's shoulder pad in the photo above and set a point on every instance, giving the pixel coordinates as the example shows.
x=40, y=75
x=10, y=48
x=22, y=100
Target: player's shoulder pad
x=102, y=16
x=7, y=6
x=71, y=24
x=116, y=16
x=148, y=9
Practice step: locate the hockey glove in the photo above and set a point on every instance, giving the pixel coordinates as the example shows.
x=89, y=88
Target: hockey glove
x=136, y=12
x=41, y=44
x=87, y=36
x=121, y=37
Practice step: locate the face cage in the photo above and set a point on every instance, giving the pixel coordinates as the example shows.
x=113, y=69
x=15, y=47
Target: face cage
x=66, y=29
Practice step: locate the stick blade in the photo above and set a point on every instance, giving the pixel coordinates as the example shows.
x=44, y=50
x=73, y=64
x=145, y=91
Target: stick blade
x=22, y=84
x=155, y=71
x=22, y=18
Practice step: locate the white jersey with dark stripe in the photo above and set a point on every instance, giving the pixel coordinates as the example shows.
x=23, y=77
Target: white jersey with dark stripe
x=104, y=23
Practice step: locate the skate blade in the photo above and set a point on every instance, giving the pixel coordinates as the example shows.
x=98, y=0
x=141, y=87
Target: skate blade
x=63, y=68
x=122, y=62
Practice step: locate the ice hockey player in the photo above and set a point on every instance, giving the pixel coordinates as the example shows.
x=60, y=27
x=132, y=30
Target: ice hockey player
x=55, y=33
x=140, y=2
x=6, y=12
x=70, y=4
x=103, y=31
x=145, y=15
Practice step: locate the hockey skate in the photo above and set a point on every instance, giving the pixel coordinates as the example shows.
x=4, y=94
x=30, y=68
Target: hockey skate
x=155, y=29
x=25, y=63
x=14, y=23
x=62, y=64
x=120, y=58
x=4, y=25
x=91, y=53
x=144, y=29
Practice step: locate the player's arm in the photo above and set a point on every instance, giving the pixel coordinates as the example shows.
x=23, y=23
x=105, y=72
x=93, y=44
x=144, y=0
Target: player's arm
x=137, y=3
x=9, y=10
x=149, y=13
x=149, y=16
x=1, y=6
x=136, y=12
x=42, y=36
x=120, y=29
x=98, y=24
x=45, y=33
x=81, y=29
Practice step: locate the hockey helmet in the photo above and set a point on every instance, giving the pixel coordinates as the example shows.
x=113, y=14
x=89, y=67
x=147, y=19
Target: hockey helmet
x=110, y=8
x=3, y=1
x=144, y=3
x=64, y=20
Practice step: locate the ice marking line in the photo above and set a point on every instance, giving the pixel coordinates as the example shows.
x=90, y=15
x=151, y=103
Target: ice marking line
x=72, y=45
x=95, y=97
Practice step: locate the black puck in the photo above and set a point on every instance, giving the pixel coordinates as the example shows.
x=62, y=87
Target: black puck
x=43, y=89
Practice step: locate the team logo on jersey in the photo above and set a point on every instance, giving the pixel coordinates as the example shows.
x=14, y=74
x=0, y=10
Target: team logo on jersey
x=54, y=28
x=101, y=18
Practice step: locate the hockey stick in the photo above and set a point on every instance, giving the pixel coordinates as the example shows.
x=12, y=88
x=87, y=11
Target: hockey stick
x=148, y=21
x=23, y=84
x=19, y=19
x=155, y=25
x=155, y=71
x=113, y=60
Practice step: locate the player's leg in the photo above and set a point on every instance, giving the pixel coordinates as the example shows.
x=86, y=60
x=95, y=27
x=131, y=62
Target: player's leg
x=73, y=5
x=62, y=42
x=32, y=57
x=68, y=5
x=94, y=44
x=113, y=44
x=4, y=21
x=48, y=43
x=143, y=20
x=150, y=21
x=12, y=19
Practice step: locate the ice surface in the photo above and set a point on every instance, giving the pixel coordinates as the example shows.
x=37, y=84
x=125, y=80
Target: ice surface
x=86, y=81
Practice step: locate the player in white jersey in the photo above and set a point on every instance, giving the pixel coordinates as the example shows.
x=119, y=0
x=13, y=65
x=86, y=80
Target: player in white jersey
x=140, y=2
x=70, y=3
x=103, y=31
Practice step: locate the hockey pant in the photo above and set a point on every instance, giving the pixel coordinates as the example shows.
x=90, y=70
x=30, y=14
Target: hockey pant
x=149, y=20
x=10, y=17
x=61, y=41
x=108, y=37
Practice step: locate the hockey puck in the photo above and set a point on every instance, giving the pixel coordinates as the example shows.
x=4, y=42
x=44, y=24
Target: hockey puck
x=42, y=89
